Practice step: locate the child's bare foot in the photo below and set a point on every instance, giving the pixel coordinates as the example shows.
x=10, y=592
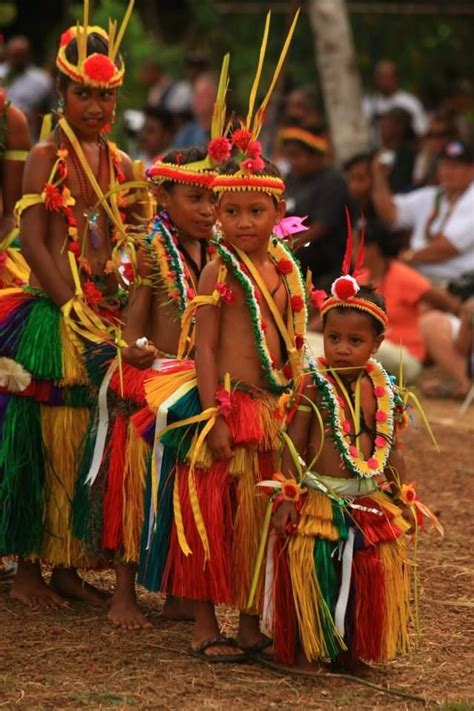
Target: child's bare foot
x=208, y=643
x=177, y=608
x=67, y=583
x=251, y=639
x=124, y=611
x=29, y=587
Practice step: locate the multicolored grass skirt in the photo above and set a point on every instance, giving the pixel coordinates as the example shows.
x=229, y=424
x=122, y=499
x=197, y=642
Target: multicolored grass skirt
x=341, y=582
x=109, y=502
x=217, y=514
x=47, y=388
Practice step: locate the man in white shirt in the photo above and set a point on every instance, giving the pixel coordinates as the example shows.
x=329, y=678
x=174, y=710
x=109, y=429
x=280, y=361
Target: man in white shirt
x=389, y=96
x=441, y=218
x=442, y=247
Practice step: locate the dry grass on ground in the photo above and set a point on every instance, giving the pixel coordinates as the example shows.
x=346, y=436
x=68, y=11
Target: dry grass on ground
x=75, y=659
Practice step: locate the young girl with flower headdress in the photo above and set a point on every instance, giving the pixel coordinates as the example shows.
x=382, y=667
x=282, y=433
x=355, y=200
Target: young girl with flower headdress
x=109, y=505
x=337, y=574
x=56, y=332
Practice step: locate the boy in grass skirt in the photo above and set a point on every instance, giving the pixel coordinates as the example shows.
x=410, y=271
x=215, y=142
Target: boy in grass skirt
x=109, y=506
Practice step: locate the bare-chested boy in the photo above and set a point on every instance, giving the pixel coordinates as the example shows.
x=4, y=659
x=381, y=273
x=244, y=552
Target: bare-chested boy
x=69, y=223
x=110, y=502
x=250, y=326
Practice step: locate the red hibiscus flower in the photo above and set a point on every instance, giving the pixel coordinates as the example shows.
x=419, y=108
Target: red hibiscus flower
x=297, y=303
x=379, y=391
x=284, y=266
x=92, y=293
x=241, y=138
x=211, y=249
x=372, y=463
x=381, y=416
x=219, y=149
x=264, y=325
x=299, y=342
x=190, y=293
x=99, y=68
x=346, y=426
x=53, y=198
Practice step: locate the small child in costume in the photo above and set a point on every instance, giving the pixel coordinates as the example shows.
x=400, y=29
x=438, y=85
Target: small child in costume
x=250, y=326
x=224, y=417
x=337, y=577
x=109, y=507
x=72, y=236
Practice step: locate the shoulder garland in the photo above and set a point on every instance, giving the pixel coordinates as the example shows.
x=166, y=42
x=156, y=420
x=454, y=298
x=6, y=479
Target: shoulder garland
x=387, y=409
x=173, y=272
x=279, y=379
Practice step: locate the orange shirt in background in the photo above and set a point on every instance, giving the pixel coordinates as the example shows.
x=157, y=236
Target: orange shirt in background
x=403, y=288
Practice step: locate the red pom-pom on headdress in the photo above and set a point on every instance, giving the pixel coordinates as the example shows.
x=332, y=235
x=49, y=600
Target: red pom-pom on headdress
x=241, y=138
x=345, y=287
x=99, y=68
x=219, y=149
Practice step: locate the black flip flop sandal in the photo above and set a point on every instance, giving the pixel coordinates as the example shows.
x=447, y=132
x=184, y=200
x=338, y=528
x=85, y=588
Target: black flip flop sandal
x=200, y=651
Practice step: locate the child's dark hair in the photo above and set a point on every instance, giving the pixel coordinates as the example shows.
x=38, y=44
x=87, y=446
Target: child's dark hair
x=96, y=44
x=182, y=156
x=377, y=232
x=232, y=166
x=368, y=293
x=270, y=170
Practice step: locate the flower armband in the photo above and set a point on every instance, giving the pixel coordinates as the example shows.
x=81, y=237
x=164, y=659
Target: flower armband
x=142, y=281
x=406, y=495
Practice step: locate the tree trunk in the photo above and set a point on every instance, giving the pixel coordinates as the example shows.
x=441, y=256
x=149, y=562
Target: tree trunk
x=340, y=82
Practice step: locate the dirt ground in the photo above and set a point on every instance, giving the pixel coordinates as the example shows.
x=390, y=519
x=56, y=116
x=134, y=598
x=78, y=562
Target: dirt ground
x=75, y=659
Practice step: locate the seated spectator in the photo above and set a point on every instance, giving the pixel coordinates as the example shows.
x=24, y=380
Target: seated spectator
x=441, y=131
x=388, y=96
x=458, y=106
x=450, y=345
x=28, y=87
x=397, y=139
x=441, y=217
x=197, y=132
x=156, y=135
x=405, y=292
x=317, y=190
x=358, y=172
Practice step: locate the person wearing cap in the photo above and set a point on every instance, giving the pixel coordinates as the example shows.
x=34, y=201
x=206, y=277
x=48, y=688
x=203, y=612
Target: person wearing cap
x=441, y=218
x=314, y=188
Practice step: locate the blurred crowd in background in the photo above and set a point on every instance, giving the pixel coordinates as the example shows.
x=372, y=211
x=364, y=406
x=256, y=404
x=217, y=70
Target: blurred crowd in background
x=414, y=188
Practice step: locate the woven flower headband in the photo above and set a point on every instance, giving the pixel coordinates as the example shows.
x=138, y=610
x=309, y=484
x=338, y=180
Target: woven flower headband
x=96, y=70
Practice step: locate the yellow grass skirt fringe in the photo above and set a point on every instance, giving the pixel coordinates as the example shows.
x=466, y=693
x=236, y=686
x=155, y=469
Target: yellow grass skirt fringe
x=137, y=456
x=63, y=429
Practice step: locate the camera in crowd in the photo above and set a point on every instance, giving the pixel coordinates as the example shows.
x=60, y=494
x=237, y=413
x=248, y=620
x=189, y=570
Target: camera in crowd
x=463, y=287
